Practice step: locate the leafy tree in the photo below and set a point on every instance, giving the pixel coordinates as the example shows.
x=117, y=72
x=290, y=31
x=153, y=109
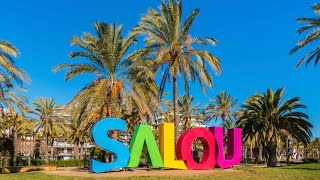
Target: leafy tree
x=170, y=48
x=266, y=115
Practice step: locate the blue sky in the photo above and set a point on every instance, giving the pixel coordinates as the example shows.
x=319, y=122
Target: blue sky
x=254, y=38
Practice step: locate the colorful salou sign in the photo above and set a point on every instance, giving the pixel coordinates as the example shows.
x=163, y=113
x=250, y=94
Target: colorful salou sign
x=164, y=155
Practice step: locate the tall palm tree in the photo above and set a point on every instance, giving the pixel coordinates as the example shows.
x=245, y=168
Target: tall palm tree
x=18, y=126
x=189, y=112
x=77, y=136
x=267, y=115
x=170, y=48
x=8, y=66
x=117, y=81
x=316, y=146
x=12, y=101
x=48, y=123
x=26, y=129
x=15, y=124
x=312, y=27
x=223, y=106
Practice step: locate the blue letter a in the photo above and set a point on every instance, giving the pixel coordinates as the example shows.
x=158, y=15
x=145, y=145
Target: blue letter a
x=100, y=138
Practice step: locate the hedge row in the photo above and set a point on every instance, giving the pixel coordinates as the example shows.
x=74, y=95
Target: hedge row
x=69, y=163
x=311, y=160
x=62, y=163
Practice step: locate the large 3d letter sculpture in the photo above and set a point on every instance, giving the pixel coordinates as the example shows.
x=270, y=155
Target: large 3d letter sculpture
x=143, y=135
x=99, y=136
x=184, y=145
x=234, y=146
x=164, y=156
x=166, y=145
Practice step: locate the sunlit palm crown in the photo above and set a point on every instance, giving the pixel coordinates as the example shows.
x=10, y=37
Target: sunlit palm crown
x=22, y=125
x=118, y=81
x=189, y=112
x=312, y=28
x=222, y=106
x=48, y=119
x=269, y=114
x=170, y=47
x=11, y=98
x=8, y=68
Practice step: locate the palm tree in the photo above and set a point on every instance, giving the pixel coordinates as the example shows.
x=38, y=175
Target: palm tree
x=15, y=123
x=312, y=149
x=77, y=136
x=49, y=123
x=26, y=129
x=267, y=115
x=117, y=81
x=223, y=106
x=10, y=98
x=18, y=126
x=170, y=48
x=312, y=26
x=316, y=146
x=189, y=112
x=10, y=101
x=8, y=67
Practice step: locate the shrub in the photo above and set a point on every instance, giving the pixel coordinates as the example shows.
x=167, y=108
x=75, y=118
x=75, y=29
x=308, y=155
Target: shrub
x=68, y=163
x=37, y=162
x=21, y=161
x=311, y=160
x=248, y=161
x=59, y=163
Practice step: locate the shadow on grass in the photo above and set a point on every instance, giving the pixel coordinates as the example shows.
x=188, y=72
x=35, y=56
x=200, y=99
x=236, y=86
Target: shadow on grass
x=312, y=167
x=301, y=168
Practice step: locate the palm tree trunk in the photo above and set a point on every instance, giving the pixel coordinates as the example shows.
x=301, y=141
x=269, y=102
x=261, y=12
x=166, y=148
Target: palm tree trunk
x=81, y=150
x=287, y=151
x=251, y=157
x=271, y=154
x=223, y=118
x=223, y=121
x=175, y=108
x=51, y=150
x=298, y=152
x=114, y=135
x=33, y=145
x=76, y=150
x=245, y=152
x=15, y=145
x=46, y=149
x=260, y=153
x=24, y=146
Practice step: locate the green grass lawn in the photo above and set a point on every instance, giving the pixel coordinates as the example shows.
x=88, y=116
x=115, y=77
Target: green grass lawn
x=302, y=171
